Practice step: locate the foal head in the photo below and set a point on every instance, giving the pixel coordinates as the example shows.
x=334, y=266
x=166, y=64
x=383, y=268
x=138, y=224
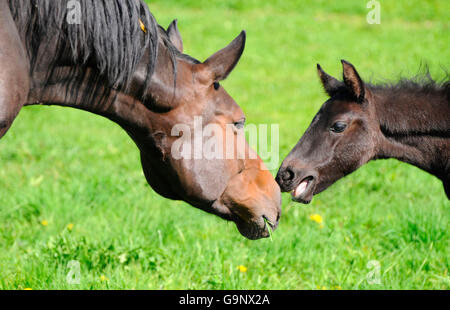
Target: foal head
x=341, y=138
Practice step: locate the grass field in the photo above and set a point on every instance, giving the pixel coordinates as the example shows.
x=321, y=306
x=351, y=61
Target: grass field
x=72, y=187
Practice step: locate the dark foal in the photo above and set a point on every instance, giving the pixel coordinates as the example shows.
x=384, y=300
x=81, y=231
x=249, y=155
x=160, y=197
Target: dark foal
x=409, y=121
x=117, y=62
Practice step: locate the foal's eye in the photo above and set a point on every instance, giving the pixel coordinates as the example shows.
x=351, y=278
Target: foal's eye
x=216, y=85
x=240, y=124
x=338, y=127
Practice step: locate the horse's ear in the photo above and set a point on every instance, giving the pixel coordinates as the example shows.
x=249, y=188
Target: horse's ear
x=353, y=81
x=175, y=36
x=223, y=62
x=330, y=84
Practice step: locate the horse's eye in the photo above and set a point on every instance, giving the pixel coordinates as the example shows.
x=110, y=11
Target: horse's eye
x=240, y=124
x=338, y=127
x=216, y=85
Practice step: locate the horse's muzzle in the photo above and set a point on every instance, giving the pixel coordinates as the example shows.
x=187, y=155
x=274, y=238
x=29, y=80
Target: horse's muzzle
x=254, y=200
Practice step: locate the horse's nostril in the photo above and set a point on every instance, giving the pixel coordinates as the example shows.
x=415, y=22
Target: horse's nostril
x=287, y=174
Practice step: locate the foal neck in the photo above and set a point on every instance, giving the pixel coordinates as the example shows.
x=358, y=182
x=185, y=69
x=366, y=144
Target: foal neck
x=414, y=120
x=411, y=108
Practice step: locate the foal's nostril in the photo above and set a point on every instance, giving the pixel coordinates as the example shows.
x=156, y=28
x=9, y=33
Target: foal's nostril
x=287, y=174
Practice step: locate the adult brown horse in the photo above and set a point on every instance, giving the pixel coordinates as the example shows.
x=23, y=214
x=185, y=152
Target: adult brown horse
x=111, y=58
x=409, y=121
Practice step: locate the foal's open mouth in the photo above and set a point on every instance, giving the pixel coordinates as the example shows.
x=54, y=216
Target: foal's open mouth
x=304, y=191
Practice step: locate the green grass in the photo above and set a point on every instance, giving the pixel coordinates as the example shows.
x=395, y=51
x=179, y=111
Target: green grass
x=65, y=166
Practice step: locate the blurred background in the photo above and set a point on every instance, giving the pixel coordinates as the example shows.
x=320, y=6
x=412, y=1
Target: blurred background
x=72, y=187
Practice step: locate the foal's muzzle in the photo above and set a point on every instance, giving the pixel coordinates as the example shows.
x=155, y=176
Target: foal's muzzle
x=301, y=182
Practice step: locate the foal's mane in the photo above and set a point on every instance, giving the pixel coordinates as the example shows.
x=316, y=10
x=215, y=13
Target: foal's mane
x=108, y=39
x=415, y=106
x=421, y=83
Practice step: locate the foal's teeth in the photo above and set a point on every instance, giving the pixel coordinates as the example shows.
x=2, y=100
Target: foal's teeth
x=300, y=189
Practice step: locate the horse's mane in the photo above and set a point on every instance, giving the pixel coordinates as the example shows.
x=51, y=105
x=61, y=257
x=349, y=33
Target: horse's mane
x=109, y=37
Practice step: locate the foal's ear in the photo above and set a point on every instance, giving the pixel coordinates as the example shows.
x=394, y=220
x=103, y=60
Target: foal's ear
x=353, y=81
x=330, y=84
x=223, y=62
x=175, y=36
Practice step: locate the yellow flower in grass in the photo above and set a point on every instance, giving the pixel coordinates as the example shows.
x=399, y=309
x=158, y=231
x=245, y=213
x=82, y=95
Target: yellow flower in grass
x=103, y=278
x=70, y=226
x=242, y=268
x=316, y=218
x=44, y=223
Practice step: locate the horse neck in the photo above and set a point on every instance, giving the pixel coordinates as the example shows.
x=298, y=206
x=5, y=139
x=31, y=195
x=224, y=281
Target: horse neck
x=125, y=108
x=415, y=126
